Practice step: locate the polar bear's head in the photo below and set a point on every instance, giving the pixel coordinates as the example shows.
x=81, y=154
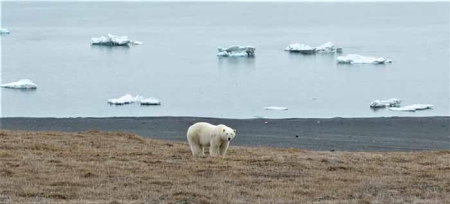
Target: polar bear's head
x=227, y=133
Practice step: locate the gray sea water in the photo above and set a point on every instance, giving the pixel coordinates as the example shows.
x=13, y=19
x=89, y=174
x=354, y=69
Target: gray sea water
x=50, y=44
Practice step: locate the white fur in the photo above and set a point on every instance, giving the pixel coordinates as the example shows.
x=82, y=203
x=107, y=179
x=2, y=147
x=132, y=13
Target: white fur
x=216, y=137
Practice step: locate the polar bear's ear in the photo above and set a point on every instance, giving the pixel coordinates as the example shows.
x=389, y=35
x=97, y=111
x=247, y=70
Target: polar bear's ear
x=234, y=130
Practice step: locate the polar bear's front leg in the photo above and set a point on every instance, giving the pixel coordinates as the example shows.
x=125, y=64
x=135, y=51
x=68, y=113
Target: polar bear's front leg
x=223, y=148
x=214, y=150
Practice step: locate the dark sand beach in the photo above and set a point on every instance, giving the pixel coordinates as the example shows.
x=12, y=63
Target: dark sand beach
x=340, y=134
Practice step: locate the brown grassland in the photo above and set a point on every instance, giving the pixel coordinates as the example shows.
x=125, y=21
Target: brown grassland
x=102, y=167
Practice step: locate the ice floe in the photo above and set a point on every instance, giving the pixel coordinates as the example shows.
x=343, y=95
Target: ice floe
x=306, y=49
x=413, y=107
x=150, y=101
x=114, y=40
x=275, y=108
x=393, y=102
x=21, y=84
x=4, y=31
x=236, y=51
x=302, y=48
x=328, y=47
x=359, y=59
x=126, y=99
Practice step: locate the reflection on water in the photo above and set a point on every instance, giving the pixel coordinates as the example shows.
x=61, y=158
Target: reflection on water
x=8, y=90
x=109, y=49
x=323, y=57
x=378, y=109
x=236, y=64
x=361, y=67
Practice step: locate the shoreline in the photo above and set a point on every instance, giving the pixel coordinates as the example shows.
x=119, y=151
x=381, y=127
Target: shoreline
x=384, y=134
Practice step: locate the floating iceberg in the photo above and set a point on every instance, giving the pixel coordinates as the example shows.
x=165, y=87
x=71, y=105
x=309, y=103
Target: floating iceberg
x=21, y=84
x=4, y=31
x=413, y=107
x=359, y=59
x=275, y=108
x=301, y=48
x=306, y=49
x=126, y=99
x=236, y=51
x=150, y=101
x=114, y=40
x=393, y=102
x=327, y=47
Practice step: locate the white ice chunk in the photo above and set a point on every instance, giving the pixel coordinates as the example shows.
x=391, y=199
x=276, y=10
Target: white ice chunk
x=275, y=108
x=236, y=51
x=359, y=59
x=114, y=40
x=302, y=48
x=327, y=47
x=4, y=31
x=150, y=101
x=236, y=48
x=232, y=54
x=126, y=99
x=306, y=49
x=21, y=84
x=413, y=107
x=393, y=102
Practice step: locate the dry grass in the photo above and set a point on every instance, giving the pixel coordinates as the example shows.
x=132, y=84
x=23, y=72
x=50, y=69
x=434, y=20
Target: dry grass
x=100, y=167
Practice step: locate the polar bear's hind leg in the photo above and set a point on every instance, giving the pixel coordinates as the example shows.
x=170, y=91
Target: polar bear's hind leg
x=197, y=150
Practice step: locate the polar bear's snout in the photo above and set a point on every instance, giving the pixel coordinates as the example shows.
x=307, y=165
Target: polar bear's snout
x=229, y=138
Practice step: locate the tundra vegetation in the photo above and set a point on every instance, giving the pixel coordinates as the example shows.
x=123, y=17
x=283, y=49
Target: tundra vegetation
x=111, y=167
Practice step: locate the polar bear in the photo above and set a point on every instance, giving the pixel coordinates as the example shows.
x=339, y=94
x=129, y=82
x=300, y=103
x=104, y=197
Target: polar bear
x=216, y=137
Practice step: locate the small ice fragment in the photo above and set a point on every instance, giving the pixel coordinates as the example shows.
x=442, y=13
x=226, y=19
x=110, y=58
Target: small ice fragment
x=137, y=43
x=393, y=102
x=126, y=99
x=113, y=40
x=306, y=49
x=359, y=59
x=4, y=31
x=413, y=107
x=21, y=84
x=301, y=48
x=327, y=47
x=150, y=101
x=236, y=51
x=275, y=108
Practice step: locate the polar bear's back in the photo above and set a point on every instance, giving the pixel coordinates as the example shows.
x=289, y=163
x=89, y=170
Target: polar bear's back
x=200, y=133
